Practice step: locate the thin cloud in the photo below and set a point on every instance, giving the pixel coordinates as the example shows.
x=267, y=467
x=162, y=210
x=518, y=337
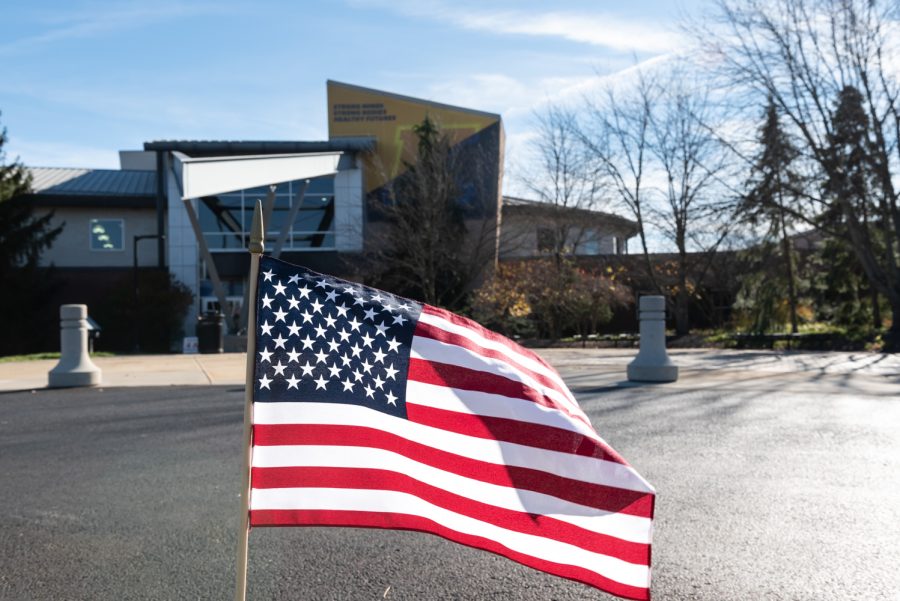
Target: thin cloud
x=517, y=98
x=494, y=92
x=582, y=88
x=602, y=30
x=172, y=114
x=597, y=30
x=85, y=25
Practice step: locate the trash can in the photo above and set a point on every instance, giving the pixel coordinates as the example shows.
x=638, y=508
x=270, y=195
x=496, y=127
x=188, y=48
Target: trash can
x=93, y=329
x=211, y=332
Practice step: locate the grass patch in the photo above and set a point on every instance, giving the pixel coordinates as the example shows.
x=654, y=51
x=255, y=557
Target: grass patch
x=40, y=356
x=717, y=337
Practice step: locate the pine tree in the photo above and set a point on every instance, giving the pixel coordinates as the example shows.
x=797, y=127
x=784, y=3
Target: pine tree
x=428, y=251
x=772, y=186
x=22, y=239
x=852, y=184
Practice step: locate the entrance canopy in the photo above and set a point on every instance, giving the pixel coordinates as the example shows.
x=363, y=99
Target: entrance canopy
x=208, y=176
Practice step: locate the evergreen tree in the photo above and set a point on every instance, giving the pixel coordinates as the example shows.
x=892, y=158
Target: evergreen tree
x=840, y=288
x=795, y=50
x=424, y=255
x=772, y=185
x=22, y=239
x=851, y=185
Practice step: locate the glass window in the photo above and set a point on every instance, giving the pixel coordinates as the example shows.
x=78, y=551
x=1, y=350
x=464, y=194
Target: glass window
x=107, y=234
x=222, y=220
x=312, y=241
x=590, y=246
x=320, y=185
x=316, y=216
x=225, y=219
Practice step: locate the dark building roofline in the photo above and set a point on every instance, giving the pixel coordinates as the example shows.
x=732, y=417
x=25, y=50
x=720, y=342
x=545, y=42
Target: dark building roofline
x=201, y=148
x=537, y=205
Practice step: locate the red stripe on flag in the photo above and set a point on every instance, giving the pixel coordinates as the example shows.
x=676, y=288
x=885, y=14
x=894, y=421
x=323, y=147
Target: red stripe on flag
x=463, y=378
x=468, y=324
x=510, y=430
x=598, y=496
x=527, y=523
x=399, y=521
x=425, y=330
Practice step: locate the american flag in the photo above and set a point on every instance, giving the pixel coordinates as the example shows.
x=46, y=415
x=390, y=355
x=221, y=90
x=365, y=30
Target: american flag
x=373, y=410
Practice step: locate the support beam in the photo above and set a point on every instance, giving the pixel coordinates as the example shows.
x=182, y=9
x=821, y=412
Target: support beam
x=268, y=206
x=289, y=223
x=210, y=264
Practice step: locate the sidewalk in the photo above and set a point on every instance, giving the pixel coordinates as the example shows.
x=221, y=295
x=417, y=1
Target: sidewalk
x=137, y=370
x=812, y=372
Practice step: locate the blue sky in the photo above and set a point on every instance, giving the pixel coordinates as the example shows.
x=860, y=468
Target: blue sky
x=82, y=80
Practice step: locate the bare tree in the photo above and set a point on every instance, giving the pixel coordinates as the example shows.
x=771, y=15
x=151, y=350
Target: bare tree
x=616, y=136
x=655, y=144
x=695, y=213
x=562, y=177
x=803, y=53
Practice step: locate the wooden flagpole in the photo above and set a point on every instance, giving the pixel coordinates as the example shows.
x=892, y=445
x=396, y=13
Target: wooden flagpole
x=257, y=245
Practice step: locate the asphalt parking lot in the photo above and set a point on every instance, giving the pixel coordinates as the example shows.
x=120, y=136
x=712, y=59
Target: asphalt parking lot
x=768, y=489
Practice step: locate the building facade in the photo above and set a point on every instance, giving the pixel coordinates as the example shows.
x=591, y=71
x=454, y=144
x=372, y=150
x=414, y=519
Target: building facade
x=185, y=206
x=531, y=228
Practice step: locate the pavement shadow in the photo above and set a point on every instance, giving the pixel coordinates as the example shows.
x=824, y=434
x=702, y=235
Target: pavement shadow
x=805, y=361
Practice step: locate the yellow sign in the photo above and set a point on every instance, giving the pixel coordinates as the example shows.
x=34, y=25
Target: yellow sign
x=355, y=111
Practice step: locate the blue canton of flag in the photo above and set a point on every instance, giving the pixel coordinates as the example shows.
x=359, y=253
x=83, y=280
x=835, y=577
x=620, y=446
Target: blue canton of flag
x=320, y=339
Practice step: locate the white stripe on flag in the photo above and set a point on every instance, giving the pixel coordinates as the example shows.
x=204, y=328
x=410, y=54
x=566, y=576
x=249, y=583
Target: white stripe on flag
x=626, y=527
x=429, y=349
x=576, y=467
x=521, y=358
x=332, y=499
x=474, y=402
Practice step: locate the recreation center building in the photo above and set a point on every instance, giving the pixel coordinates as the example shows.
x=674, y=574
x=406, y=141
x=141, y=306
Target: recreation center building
x=185, y=206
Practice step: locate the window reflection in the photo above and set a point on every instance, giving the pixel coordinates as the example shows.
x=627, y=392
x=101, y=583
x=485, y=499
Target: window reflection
x=225, y=219
x=107, y=234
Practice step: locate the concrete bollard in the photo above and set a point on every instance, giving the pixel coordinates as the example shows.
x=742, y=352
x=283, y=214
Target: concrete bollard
x=75, y=367
x=652, y=363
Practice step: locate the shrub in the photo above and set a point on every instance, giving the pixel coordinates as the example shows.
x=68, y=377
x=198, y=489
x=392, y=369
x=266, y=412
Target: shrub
x=547, y=298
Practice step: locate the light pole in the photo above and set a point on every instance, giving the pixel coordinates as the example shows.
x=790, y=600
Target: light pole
x=134, y=255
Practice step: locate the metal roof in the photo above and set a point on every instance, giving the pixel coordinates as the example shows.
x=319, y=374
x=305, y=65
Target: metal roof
x=527, y=205
x=61, y=181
